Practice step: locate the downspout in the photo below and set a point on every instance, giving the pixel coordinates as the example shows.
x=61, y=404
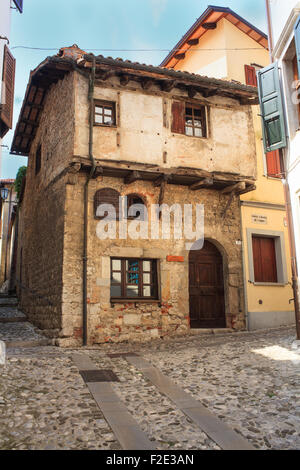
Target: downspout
x=271, y=45
x=86, y=188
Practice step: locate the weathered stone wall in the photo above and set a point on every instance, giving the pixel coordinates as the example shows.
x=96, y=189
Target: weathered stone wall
x=134, y=321
x=41, y=226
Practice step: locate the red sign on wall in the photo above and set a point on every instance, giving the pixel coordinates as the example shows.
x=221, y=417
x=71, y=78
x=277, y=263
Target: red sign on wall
x=19, y=5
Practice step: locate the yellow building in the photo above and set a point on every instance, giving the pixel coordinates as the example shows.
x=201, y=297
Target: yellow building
x=223, y=45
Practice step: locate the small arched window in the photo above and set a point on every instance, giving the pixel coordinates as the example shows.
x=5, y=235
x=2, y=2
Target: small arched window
x=140, y=212
x=106, y=196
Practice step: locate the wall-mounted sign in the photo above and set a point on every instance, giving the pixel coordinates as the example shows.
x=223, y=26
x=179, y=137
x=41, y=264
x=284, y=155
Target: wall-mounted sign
x=259, y=219
x=19, y=5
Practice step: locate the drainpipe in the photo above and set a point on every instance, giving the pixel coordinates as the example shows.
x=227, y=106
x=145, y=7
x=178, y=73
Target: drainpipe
x=86, y=187
x=271, y=45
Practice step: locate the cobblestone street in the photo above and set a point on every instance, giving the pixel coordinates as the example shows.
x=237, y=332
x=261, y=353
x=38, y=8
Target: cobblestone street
x=250, y=381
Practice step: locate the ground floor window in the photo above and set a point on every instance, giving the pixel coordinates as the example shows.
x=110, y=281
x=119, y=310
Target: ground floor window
x=264, y=259
x=133, y=279
x=267, y=258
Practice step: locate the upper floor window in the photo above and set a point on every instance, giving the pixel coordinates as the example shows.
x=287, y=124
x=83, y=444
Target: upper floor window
x=189, y=119
x=135, y=207
x=250, y=75
x=274, y=164
x=104, y=113
x=106, y=204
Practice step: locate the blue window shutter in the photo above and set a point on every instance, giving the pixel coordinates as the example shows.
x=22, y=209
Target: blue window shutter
x=270, y=98
x=297, y=42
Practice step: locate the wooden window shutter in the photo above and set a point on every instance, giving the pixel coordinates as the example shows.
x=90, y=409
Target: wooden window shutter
x=250, y=74
x=178, y=117
x=264, y=259
x=297, y=43
x=274, y=164
x=9, y=67
x=270, y=98
x=107, y=196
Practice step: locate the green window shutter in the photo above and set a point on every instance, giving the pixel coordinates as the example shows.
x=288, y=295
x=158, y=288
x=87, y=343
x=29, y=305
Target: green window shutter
x=297, y=42
x=272, y=115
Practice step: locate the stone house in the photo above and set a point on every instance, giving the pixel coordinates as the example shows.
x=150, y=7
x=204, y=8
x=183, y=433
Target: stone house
x=96, y=129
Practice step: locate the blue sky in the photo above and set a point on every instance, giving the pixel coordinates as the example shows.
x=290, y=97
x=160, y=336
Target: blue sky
x=102, y=24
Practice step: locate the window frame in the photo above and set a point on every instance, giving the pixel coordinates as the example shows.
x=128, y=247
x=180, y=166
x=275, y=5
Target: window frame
x=123, y=284
x=179, y=118
x=130, y=197
x=280, y=255
x=203, y=120
x=105, y=104
x=250, y=75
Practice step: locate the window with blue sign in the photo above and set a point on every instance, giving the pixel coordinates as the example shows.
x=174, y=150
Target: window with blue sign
x=133, y=279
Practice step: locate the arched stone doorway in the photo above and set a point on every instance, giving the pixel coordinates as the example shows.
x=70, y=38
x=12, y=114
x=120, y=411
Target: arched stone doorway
x=206, y=288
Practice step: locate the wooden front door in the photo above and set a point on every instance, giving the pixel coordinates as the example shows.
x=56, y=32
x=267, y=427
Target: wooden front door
x=206, y=285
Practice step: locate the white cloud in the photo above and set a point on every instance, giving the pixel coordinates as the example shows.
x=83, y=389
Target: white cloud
x=158, y=7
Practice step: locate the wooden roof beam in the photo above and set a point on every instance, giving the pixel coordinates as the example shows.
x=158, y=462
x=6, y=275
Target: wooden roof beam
x=162, y=179
x=180, y=56
x=168, y=85
x=124, y=79
x=235, y=188
x=193, y=42
x=132, y=177
x=207, y=182
x=147, y=83
x=192, y=92
x=209, y=25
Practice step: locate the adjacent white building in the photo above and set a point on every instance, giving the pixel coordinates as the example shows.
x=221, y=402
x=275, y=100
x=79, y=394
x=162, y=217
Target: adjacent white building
x=7, y=68
x=279, y=87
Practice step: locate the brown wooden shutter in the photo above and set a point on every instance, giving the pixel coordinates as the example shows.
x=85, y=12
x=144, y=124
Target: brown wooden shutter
x=107, y=196
x=250, y=74
x=264, y=259
x=273, y=164
x=9, y=67
x=178, y=117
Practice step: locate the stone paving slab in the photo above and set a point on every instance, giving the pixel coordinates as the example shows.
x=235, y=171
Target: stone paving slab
x=125, y=428
x=221, y=434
